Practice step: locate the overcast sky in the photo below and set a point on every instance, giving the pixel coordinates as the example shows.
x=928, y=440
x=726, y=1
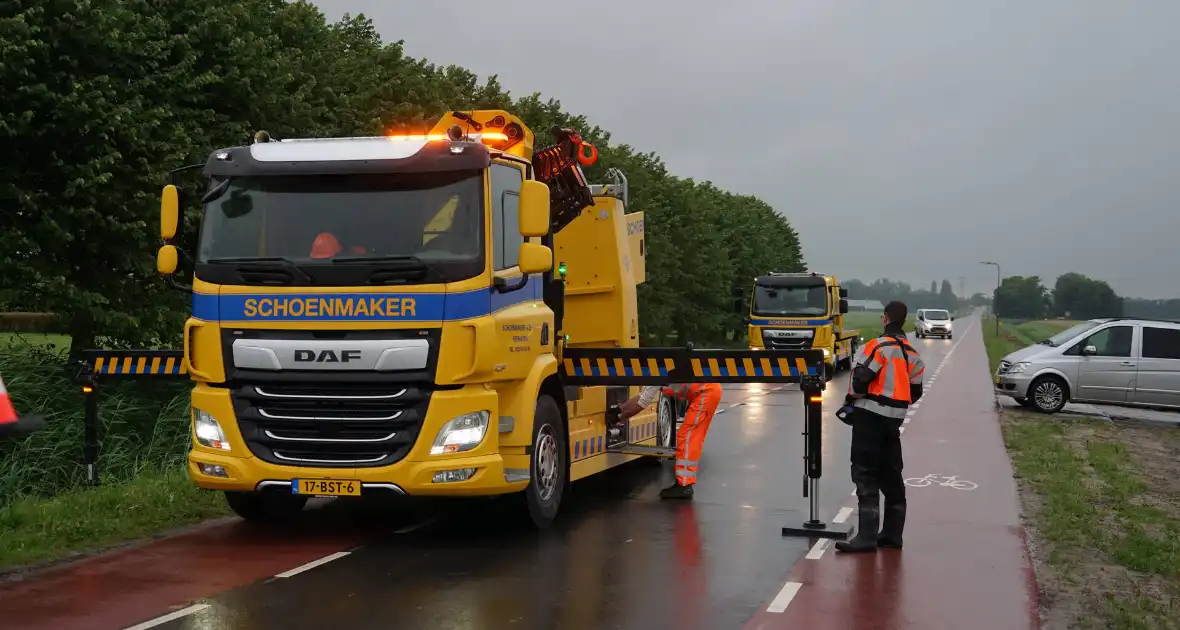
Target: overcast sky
x=904, y=139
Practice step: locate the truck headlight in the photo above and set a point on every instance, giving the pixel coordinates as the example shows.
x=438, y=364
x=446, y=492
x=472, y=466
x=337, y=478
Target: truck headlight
x=1018, y=367
x=208, y=431
x=461, y=433
x=827, y=353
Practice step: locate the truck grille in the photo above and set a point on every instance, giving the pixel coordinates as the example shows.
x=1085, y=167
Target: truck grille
x=330, y=426
x=773, y=342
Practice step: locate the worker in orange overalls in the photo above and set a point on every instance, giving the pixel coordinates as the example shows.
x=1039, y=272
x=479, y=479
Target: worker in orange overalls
x=703, y=399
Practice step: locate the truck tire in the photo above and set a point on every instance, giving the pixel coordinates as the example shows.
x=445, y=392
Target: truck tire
x=265, y=507
x=548, y=465
x=829, y=371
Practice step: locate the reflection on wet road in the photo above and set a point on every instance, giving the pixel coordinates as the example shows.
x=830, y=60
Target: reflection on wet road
x=618, y=557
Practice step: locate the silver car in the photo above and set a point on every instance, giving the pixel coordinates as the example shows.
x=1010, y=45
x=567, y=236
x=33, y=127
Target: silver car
x=1119, y=361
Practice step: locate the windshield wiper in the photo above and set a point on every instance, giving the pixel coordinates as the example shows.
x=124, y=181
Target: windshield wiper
x=254, y=264
x=390, y=274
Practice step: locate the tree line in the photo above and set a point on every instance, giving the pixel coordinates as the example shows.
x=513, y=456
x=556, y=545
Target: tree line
x=1074, y=296
x=104, y=97
x=885, y=290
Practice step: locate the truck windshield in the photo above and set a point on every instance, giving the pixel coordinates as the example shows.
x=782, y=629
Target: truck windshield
x=790, y=300
x=310, y=222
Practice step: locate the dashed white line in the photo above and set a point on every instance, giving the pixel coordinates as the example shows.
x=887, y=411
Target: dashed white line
x=818, y=549
x=901, y=430
x=313, y=564
x=183, y=612
x=784, y=597
x=843, y=514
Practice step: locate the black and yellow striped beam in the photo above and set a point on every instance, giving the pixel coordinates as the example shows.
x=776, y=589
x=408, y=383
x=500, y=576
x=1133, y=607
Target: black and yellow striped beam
x=106, y=363
x=658, y=366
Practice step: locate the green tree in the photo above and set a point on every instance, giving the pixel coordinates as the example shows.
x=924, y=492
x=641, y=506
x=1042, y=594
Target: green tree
x=1020, y=297
x=1079, y=297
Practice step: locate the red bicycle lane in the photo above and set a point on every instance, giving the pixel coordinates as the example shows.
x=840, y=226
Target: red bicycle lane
x=965, y=564
x=126, y=586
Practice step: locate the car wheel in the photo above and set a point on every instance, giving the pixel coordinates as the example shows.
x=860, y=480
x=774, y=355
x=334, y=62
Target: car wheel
x=548, y=469
x=268, y=507
x=1048, y=394
x=950, y=336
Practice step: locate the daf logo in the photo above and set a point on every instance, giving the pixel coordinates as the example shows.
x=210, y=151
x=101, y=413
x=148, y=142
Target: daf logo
x=327, y=356
x=789, y=334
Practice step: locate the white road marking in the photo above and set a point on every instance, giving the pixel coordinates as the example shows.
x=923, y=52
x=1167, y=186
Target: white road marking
x=784, y=597
x=843, y=514
x=183, y=612
x=817, y=550
x=906, y=421
x=901, y=430
x=313, y=564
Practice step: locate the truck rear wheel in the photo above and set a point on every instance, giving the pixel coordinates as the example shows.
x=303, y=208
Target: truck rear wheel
x=265, y=506
x=548, y=466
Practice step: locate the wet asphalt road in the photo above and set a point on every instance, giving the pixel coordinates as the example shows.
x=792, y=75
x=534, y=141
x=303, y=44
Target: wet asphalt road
x=617, y=558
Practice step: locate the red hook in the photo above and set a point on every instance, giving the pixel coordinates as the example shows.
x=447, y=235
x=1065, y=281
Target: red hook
x=587, y=160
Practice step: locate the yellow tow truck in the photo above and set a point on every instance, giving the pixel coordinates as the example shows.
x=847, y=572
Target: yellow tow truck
x=446, y=314
x=798, y=311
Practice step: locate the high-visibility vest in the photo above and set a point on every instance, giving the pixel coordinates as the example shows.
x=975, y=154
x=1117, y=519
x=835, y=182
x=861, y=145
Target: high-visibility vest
x=897, y=364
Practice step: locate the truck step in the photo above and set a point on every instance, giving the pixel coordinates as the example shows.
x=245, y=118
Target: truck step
x=636, y=449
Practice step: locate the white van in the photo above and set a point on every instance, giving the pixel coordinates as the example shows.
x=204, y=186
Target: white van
x=933, y=322
x=1119, y=361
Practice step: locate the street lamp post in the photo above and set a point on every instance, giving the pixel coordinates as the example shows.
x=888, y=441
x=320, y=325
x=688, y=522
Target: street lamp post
x=995, y=313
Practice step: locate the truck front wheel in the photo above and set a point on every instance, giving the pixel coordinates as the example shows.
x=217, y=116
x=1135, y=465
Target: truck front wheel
x=548, y=468
x=265, y=506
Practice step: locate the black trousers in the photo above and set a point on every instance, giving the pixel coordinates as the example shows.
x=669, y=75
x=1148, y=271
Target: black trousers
x=876, y=459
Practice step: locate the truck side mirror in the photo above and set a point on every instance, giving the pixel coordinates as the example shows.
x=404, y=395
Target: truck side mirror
x=843, y=305
x=843, y=292
x=166, y=260
x=533, y=214
x=534, y=258
x=169, y=212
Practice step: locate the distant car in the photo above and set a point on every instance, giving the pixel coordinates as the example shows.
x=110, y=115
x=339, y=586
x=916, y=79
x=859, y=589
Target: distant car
x=1119, y=361
x=933, y=322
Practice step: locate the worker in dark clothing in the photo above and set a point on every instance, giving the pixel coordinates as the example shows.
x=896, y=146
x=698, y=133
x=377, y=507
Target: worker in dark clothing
x=886, y=379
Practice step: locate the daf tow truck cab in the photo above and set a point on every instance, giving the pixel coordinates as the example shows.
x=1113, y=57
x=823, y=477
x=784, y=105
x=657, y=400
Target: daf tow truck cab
x=797, y=311
x=445, y=314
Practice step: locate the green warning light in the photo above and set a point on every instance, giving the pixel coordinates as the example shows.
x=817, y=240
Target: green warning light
x=561, y=269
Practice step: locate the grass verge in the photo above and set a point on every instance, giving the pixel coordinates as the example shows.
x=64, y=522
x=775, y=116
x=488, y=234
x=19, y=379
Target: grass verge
x=1102, y=508
x=36, y=529
x=47, y=511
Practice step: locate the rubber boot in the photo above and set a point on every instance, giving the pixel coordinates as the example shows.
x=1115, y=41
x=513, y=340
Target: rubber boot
x=892, y=527
x=866, y=532
x=677, y=491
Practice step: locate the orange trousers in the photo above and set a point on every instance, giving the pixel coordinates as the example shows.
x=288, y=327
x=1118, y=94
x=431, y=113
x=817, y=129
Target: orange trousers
x=703, y=399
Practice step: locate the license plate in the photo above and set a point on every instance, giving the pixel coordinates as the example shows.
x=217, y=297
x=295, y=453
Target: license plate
x=326, y=487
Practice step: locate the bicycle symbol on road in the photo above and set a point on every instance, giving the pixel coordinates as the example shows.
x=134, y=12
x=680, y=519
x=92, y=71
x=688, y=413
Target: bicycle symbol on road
x=952, y=481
